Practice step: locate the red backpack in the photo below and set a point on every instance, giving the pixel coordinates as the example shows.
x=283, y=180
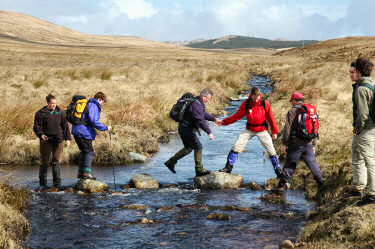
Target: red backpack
x=307, y=122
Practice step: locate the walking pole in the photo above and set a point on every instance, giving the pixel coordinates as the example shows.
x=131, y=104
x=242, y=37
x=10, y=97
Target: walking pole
x=113, y=163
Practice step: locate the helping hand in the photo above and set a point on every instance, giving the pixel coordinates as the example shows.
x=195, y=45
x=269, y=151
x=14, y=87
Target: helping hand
x=218, y=122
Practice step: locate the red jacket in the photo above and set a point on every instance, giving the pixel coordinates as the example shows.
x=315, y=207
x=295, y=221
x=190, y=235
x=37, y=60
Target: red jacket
x=256, y=115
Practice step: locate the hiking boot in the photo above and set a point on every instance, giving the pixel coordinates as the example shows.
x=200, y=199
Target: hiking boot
x=368, y=199
x=227, y=168
x=276, y=166
x=353, y=193
x=56, y=175
x=170, y=165
x=43, y=176
x=202, y=172
x=85, y=176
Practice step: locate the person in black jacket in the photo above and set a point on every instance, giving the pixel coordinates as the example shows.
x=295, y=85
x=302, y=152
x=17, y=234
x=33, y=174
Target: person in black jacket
x=51, y=127
x=194, y=118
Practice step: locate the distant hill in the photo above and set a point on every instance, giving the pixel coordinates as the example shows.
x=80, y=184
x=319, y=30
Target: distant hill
x=22, y=28
x=230, y=42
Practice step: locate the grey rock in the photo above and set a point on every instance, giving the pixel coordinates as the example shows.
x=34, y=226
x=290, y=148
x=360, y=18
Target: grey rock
x=143, y=181
x=219, y=180
x=91, y=186
x=137, y=158
x=286, y=244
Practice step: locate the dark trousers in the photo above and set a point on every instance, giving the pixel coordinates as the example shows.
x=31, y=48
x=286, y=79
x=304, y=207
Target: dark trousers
x=189, y=138
x=47, y=148
x=305, y=153
x=86, y=155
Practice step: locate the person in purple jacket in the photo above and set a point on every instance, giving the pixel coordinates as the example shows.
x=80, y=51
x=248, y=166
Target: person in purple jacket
x=194, y=118
x=84, y=134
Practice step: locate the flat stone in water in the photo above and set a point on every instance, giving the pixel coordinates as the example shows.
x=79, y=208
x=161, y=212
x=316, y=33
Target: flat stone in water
x=144, y=181
x=91, y=186
x=219, y=180
x=137, y=158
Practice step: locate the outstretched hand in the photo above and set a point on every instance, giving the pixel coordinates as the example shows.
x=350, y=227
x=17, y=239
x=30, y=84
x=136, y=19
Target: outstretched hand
x=218, y=122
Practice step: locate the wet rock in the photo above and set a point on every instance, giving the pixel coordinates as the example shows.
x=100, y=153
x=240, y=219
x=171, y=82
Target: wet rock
x=125, y=186
x=69, y=190
x=166, y=208
x=145, y=220
x=143, y=181
x=48, y=190
x=218, y=216
x=164, y=243
x=273, y=198
x=163, y=138
x=134, y=207
x=91, y=186
x=255, y=186
x=235, y=208
x=220, y=180
x=171, y=186
x=287, y=244
x=136, y=157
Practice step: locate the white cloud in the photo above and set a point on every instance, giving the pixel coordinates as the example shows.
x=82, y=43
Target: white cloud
x=174, y=20
x=136, y=9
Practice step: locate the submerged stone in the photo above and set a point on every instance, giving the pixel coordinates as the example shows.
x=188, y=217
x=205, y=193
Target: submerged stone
x=219, y=180
x=143, y=181
x=218, y=216
x=134, y=207
x=137, y=158
x=92, y=186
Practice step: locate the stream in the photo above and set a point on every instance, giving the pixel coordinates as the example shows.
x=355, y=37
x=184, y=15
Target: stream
x=69, y=220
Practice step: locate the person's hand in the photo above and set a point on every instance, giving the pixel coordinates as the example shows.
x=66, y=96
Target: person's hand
x=44, y=138
x=284, y=150
x=211, y=136
x=274, y=137
x=218, y=122
x=109, y=128
x=67, y=143
x=314, y=149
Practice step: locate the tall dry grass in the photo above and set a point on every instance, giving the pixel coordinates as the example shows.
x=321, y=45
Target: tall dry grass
x=14, y=227
x=142, y=83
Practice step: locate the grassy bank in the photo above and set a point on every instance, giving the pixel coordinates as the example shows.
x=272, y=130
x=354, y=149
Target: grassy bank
x=13, y=225
x=320, y=72
x=141, y=84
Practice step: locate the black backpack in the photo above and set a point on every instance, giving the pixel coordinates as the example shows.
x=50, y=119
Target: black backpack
x=178, y=110
x=76, y=109
x=372, y=112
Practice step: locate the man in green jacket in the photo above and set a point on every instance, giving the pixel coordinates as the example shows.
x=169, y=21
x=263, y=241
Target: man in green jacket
x=363, y=146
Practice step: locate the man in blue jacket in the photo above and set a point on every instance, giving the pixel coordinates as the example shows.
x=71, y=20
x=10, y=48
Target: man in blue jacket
x=84, y=134
x=194, y=118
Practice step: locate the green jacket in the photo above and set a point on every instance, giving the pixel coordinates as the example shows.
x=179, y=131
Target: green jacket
x=364, y=97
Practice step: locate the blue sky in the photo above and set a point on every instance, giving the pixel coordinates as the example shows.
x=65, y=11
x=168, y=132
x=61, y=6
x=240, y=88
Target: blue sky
x=178, y=20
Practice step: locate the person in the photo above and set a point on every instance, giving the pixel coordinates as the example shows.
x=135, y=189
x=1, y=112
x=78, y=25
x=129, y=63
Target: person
x=353, y=77
x=363, y=145
x=84, y=134
x=52, y=129
x=295, y=147
x=194, y=118
x=259, y=115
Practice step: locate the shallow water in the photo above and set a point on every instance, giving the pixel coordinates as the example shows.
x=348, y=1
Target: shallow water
x=66, y=220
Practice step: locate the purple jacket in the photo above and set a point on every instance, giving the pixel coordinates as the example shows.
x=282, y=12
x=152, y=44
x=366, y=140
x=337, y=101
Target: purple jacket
x=196, y=116
x=88, y=131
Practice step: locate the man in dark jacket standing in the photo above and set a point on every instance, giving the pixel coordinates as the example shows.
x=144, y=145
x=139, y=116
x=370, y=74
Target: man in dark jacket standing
x=295, y=147
x=51, y=127
x=85, y=134
x=194, y=118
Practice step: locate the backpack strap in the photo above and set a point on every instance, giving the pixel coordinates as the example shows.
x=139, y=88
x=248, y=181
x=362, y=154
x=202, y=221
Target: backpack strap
x=368, y=86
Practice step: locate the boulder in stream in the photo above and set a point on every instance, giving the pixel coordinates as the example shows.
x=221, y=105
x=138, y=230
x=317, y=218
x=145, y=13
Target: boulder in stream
x=143, y=181
x=219, y=180
x=92, y=186
x=137, y=158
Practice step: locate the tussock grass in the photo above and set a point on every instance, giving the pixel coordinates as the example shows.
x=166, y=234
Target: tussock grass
x=13, y=225
x=142, y=84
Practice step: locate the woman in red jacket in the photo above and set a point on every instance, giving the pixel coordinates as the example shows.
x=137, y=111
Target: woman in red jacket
x=259, y=115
